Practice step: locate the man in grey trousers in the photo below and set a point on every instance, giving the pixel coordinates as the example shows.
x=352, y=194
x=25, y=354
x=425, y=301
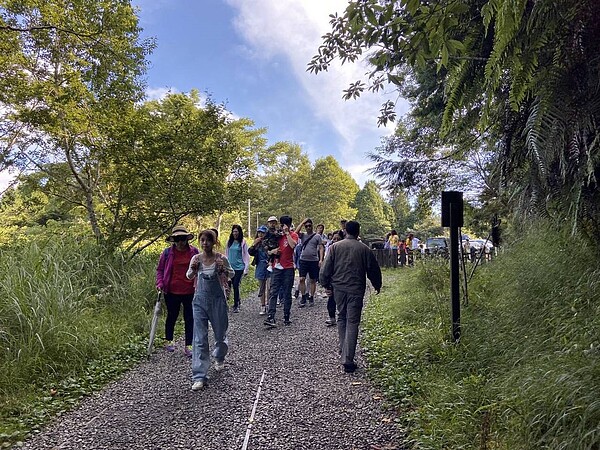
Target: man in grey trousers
x=343, y=272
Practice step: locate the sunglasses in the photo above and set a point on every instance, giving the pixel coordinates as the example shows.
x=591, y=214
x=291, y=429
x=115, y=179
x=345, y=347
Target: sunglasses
x=180, y=238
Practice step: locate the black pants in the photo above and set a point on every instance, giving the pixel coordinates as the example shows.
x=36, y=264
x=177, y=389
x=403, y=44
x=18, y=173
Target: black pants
x=174, y=302
x=331, y=306
x=237, y=279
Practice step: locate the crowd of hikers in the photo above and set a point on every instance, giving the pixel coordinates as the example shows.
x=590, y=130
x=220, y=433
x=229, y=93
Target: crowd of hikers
x=334, y=265
x=402, y=249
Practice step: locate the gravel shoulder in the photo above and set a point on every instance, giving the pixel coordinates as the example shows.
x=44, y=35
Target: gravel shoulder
x=305, y=401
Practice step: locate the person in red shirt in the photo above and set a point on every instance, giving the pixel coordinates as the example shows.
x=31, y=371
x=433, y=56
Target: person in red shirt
x=282, y=276
x=177, y=288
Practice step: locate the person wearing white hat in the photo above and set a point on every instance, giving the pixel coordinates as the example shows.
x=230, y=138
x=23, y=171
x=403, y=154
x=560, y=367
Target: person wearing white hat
x=282, y=278
x=177, y=289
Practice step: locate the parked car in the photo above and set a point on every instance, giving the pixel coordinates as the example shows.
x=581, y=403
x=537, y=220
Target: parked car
x=436, y=246
x=479, y=243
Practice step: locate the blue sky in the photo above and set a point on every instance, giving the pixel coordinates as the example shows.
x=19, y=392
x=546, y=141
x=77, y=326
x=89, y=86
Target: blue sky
x=253, y=56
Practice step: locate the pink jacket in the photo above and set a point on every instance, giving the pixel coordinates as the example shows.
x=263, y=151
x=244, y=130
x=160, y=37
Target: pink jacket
x=165, y=266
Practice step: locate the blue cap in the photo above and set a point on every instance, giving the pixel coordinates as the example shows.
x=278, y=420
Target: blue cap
x=262, y=229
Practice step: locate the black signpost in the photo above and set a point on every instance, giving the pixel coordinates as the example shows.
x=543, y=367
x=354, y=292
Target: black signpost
x=452, y=217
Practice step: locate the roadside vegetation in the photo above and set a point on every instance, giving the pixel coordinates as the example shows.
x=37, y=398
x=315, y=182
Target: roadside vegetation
x=526, y=373
x=72, y=318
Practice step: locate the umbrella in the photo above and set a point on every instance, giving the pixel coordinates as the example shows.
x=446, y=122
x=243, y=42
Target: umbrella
x=154, y=323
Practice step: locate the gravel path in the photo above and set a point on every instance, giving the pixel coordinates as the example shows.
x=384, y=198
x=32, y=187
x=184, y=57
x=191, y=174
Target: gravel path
x=305, y=401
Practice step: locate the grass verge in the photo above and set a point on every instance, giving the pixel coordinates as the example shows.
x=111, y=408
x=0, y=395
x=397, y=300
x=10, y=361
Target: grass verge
x=526, y=373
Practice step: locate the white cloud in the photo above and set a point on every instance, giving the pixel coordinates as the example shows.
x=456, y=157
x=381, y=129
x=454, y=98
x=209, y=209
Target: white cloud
x=293, y=29
x=5, y=179
x=159, y=93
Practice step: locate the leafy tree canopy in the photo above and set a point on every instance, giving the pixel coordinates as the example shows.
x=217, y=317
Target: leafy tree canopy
x=371, y=210
x=515, y=79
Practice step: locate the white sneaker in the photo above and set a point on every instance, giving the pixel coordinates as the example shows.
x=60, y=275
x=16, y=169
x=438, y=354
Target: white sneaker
x=219, y=366
x=263, y=311
x=198, y=385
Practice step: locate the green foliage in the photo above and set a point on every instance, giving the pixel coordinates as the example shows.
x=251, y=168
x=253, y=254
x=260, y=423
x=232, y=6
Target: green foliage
x=294, y=186
x=510, y=86
x=371, y=211
x=526, y=371
x=63, y=305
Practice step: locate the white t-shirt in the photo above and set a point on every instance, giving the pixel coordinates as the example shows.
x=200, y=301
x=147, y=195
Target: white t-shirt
x=209, y=270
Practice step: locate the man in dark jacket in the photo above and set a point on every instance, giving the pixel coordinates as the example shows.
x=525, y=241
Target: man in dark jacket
x=343, y=272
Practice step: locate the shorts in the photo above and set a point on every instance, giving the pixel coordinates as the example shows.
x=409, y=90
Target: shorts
x=311, y=268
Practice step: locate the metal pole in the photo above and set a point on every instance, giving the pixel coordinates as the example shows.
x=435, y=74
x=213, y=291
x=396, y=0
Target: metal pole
x=257, y=214
x=248, y=229
x=454, y=272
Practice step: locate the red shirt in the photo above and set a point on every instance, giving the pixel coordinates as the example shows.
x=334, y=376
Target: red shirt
x=286, y=253
x=179, y=283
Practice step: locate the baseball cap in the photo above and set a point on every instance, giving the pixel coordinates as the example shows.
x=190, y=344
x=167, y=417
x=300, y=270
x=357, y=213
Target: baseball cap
x=272, y=218
x=262, y=229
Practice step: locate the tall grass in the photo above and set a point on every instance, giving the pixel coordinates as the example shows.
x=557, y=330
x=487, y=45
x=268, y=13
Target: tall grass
x=526, y=374
x=62, y=305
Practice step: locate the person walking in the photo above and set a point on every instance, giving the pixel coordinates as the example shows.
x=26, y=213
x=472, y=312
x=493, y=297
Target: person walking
x=176, y=288
x=237, y=254
x=310, y=260
x=213, y=272
x=393, y=242
x=282, y=277
x=260, y=262
x=330, y=297
x=343, y=274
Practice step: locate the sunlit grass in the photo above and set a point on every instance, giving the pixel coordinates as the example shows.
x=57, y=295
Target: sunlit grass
x=64, y=305
x=527, y=370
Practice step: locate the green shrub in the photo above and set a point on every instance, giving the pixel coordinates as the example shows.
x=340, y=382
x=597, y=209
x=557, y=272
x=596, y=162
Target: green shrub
x=63, y=304
x=526, y=374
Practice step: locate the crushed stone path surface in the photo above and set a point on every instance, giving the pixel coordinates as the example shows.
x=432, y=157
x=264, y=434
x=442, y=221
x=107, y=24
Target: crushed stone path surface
x=305, y=401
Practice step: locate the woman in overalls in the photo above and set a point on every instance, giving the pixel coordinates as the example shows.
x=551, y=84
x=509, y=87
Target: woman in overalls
x=213, y=272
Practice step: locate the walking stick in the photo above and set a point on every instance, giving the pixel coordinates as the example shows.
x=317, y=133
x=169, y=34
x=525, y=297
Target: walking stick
x=154, y=323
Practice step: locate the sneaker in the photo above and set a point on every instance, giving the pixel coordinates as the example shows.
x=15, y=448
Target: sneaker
x=198, y=385
x=263, y=311
x=219, y=365
x=188, y=351
x=270, y=322
x=302, y=303
x=349, y=367
x=287, y=321
x=311, y=301
x=170, y=346
x=330, y=322
x=278, y=302
x=296, y=293
x=235, y=309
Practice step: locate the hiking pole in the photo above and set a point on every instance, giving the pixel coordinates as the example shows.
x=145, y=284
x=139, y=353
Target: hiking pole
x=154, y=323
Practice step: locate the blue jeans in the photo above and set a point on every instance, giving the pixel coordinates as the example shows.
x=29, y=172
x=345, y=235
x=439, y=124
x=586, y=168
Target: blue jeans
x=209, y=304
x=281, y=279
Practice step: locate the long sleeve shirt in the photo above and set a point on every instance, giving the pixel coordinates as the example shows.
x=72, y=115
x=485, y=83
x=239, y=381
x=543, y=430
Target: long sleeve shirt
x=347, y=264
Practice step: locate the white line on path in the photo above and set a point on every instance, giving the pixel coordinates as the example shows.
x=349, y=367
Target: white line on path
x=251, y=419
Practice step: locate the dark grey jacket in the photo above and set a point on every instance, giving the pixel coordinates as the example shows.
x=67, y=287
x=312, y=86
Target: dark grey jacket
x=347, y=264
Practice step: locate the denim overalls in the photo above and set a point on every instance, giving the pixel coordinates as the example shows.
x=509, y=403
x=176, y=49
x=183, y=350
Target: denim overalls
x=209, y=304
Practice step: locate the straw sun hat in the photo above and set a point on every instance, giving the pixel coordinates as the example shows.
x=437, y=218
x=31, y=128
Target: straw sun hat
x=179, y=230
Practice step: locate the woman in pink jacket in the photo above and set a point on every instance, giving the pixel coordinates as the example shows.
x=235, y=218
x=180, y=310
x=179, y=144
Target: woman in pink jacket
x=177, y=288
